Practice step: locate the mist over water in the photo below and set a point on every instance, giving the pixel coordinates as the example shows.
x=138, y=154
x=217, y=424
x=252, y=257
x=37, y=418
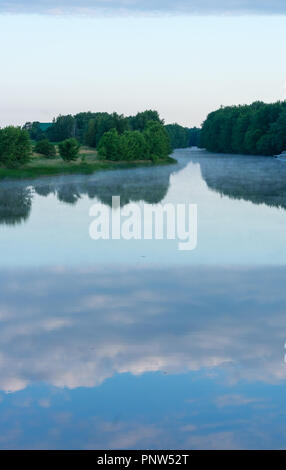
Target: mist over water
x=241, y=213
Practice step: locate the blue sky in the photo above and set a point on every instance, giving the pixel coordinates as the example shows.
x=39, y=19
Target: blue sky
x=62, y=58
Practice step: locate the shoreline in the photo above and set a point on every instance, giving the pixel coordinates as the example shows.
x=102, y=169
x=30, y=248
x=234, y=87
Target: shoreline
x=82, y=168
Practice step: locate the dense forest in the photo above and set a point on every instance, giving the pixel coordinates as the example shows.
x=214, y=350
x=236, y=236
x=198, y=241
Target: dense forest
x=183, y=137
x=88, y=128
x=256, y=129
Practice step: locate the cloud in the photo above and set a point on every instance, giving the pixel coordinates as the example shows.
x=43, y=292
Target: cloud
x=235, y=400
x=59, y=7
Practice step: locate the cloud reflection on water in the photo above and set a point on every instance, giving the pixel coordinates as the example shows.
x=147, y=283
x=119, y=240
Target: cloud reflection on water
x=142, y=358
x=74, y=329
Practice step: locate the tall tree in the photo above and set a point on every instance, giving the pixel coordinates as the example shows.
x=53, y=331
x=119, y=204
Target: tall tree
x=140, y=121
x=157, y=139
x=15, y=146
x=179, y=135
x=63, y=127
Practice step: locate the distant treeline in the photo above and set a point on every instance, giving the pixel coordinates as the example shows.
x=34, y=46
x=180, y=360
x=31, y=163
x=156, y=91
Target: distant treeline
x=182, y=137
x=88, y=128
x=256, y=129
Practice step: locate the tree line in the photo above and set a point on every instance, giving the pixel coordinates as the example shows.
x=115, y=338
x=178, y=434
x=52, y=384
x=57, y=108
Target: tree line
x=183, y=137
x=116, y=137
x=256, y=129
x=88, y=128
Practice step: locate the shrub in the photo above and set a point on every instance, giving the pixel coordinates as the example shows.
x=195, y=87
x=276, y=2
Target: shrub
x=69, y=149
x=15, y=146
x=46, y=148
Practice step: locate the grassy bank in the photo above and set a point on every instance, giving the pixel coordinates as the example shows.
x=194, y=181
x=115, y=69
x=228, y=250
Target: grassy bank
x=87, y=163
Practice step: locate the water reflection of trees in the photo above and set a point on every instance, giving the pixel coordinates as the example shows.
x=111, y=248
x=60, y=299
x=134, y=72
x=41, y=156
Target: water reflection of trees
x=131, y=186
x=256, y=179
x=15, y=204
x=261, y=180
x=142, y=184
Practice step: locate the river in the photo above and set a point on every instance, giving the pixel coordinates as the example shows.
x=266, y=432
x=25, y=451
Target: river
x=134, y=343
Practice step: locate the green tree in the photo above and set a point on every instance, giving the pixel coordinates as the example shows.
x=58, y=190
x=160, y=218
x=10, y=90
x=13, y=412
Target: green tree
x=157, y=139
x=34, y=130
x=109, y=147
x=81, y=124
x=278, y=132
x=239, y=130
x=63, y=127
x=15, y=146
x=179, y=135
x=139, y=122
x=255, y=129
x=100, y=123
x=46, y=148
x=194, y=137
x=69, y=149
x=90, y=135
x=266, y=145
x=133, y=146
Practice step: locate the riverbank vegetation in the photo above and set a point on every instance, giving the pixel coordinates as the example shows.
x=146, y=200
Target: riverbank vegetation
x=84, y=143
x=152, y=143
x=256, y=129
x=86, y=163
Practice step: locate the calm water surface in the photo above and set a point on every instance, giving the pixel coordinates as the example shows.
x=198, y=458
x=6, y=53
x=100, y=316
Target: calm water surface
x=116, y=344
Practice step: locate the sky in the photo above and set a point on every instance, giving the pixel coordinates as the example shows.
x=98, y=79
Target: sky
x=184, y=58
